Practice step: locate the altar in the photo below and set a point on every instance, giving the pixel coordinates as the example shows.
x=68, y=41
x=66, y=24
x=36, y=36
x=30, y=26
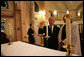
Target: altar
x=25, y=49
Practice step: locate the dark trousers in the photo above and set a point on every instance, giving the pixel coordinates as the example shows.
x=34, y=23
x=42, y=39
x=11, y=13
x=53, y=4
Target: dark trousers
x=63, y=49
x=31, y=39
x=51, y=44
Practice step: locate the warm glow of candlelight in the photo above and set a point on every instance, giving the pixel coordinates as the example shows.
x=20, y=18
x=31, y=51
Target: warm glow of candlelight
x=78, y=13
x=55, y=12
x=67, y=12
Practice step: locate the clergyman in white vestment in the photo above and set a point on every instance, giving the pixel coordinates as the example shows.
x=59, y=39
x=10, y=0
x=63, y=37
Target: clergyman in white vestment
x=75, y=38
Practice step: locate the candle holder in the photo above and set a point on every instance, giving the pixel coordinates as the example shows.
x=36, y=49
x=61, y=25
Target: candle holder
x=10, y=42
x=42, y=39
x=47, y=37
x=68, y=45
x=68, y=48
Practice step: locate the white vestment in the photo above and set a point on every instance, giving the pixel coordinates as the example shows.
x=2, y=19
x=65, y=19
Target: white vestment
x=75, y=38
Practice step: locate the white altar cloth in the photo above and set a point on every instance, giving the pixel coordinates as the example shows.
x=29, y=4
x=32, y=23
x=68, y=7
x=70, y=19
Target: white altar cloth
x=24, y=49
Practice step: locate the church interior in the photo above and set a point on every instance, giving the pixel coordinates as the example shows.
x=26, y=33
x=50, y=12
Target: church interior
x=16, y=17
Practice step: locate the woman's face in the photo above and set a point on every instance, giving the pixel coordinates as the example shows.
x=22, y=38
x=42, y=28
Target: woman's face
x=42, y=24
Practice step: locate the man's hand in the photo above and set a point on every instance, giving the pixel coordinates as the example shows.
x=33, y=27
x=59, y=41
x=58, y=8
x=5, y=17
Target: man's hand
x=34, y=34
x=61, y=43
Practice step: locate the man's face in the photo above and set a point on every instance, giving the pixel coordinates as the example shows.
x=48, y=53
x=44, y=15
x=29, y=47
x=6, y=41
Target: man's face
x=51, y=21
x=64, y=19
x=32, y=26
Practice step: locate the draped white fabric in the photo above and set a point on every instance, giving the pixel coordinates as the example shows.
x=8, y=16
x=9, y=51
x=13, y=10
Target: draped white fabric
x=25, y=49
x=75, y=39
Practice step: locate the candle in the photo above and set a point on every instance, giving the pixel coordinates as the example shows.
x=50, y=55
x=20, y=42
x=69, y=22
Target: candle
x=68, y=30
x=47, y=29
x=10, y=29
x=10, y=32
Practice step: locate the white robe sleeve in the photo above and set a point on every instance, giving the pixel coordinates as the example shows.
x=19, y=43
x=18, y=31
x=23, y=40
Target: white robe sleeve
x=75, y=39
x=64, y=41
x=60, y=33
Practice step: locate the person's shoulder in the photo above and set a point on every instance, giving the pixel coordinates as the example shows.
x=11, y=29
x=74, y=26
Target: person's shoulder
x=44, y=27
x=29, y=29
x=74, y=24
x=56, y=26
x=3, y=33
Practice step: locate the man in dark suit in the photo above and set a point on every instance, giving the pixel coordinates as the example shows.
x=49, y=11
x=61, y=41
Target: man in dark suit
x=53, y=32
x=30, y=33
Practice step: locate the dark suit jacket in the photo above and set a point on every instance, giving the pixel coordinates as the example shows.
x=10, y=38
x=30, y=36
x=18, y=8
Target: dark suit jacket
x=53, y=40
x=63, y=33
x=40, y=30
x=4, y=38
x=31, y=37
x=63, y=37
